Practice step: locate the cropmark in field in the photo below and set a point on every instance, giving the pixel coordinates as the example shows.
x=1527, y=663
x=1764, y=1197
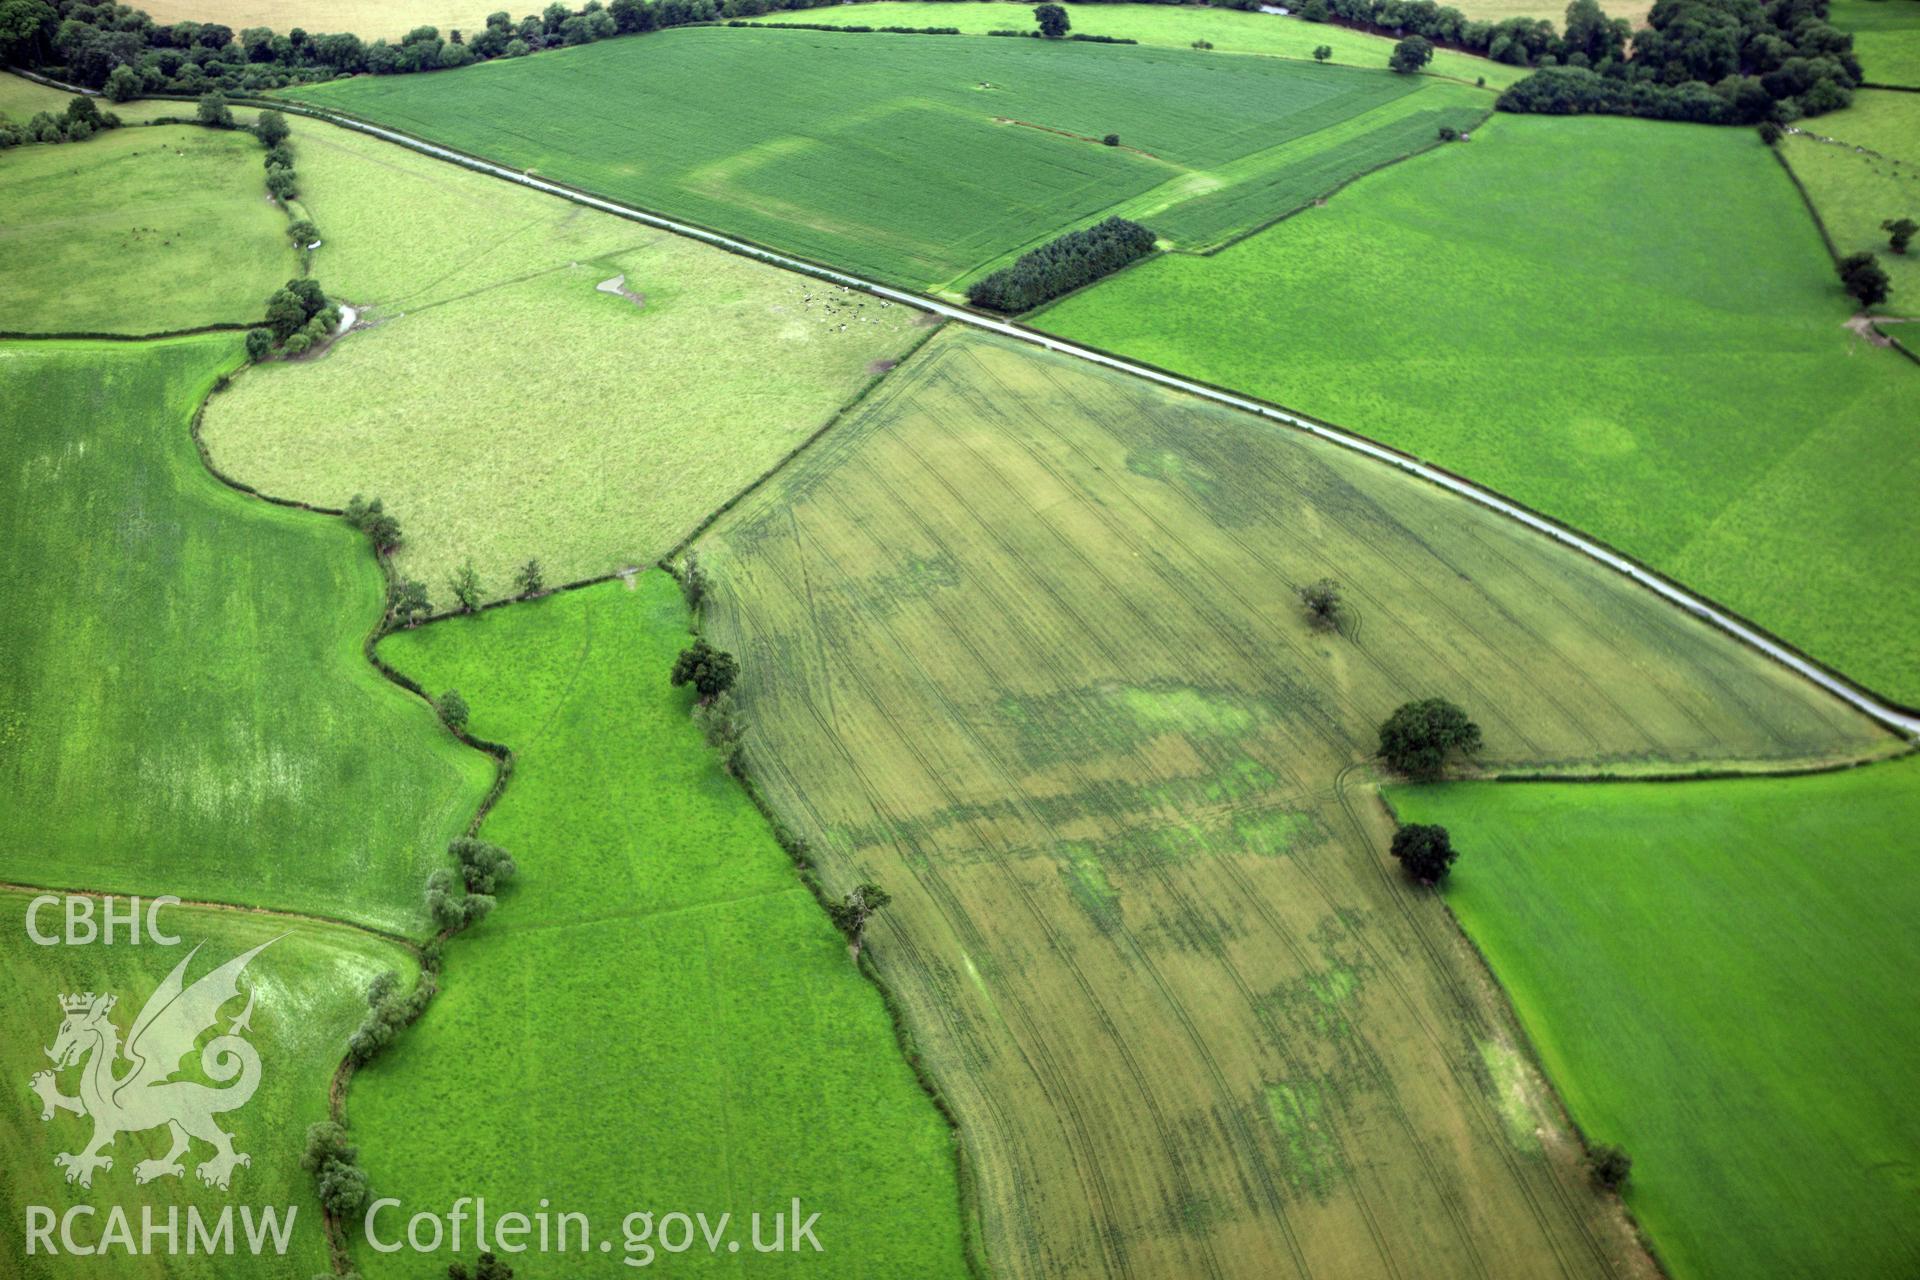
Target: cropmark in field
x=1019, y=641
x=915, y=160
x=1684, y=386
x=532, y=380
x=184, y=703
x=1716, y=974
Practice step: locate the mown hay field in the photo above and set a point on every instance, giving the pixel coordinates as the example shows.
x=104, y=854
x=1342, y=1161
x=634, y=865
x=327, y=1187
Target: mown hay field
x=180, y=213
x=658, y=1016
x=1683, y=386
x=184, y=704
x=1718, y=977
x=915, y=159
x=369, y=19
x=657, y=405
x=1861, y=167
x=1173, y=25
x=1019, y=641
x=307, y=987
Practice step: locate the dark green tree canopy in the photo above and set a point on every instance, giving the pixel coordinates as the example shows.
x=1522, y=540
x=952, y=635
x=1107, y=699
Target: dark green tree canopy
x=1411, y=54
x=1424, y=851
x=709, y=670
x=1417, y=738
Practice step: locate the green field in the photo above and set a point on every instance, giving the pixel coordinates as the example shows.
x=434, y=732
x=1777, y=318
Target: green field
x=308, y=988
x=1681, y=385
x=184, y=705
x=21, y=99
x=179, y=216
x=1173, y=25
x=1861, y=167
x=1019, y=641
x=645, y=418
x=914, y=159
x=659, y=1015
x=1886, y=38
x=1718, y=975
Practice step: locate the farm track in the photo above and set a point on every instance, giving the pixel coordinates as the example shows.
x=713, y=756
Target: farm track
x=1899, y=718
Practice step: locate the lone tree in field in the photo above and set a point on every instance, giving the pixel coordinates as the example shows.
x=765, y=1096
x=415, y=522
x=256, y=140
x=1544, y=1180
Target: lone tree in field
x=1899, y=233
x=528, y=582
x=1416, y=739
x=1411, y=54
x=1053, y=21
x=272, y=129
x=852, y=912
x=1322, y=601
x=1611, y=1167
x=1424, y=851
x=1111, y=140
x=710, y=671
x=466, y=588
x=452, y=708
x=1864, y=278
x=1321, y=52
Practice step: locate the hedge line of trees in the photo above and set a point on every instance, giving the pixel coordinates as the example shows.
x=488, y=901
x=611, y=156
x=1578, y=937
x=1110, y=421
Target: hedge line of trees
x=80, y=121
x=1711, y=62
x=87, y=44
x=1589, y=37
x=1062, y=265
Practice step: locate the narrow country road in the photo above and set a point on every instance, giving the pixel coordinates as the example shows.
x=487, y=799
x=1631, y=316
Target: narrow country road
x=1904, y=722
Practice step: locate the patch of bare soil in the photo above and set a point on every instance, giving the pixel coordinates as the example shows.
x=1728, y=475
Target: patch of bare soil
x=618, y=287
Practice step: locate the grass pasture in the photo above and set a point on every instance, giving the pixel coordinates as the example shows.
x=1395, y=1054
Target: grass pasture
x=1861, y=167
x=637, y=420
x=913, y=159
x=308, y=986
x=1174, y=26
x=139, y=230
x=1766, y=1098
x=184, y=705
x=1682, y=387
x=659, y=1015
x=1019, y=641
x=21, y=99
x=1886, y=38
